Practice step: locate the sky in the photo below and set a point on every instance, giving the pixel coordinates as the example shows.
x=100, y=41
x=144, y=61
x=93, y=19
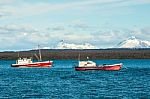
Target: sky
x=103, y=23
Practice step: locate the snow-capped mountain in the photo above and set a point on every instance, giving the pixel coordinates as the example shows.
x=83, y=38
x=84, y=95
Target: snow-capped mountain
x=133, y=42
x=46, y=47
x=63, y=45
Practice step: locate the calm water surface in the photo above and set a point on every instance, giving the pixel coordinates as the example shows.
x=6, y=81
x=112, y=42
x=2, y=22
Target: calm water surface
x=63, y=82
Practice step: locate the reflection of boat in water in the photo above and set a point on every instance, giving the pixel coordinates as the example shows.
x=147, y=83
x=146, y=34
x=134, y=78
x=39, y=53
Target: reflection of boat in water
x=90, y=65
x=27, y=62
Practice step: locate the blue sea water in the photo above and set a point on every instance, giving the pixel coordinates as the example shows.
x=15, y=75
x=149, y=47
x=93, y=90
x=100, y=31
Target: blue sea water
x=63, y=82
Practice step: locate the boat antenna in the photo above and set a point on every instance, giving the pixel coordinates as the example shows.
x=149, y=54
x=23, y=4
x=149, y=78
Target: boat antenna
x=87, y=58
x=39, y=53
x=79, y=57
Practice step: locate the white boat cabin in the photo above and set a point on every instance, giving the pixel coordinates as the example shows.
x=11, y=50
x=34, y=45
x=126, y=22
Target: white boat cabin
x=23, y=61
x=87, y=64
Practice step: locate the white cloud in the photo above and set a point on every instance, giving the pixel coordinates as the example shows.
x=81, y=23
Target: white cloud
x=78, y=24
x=29, y=9
x=15, y=35
x=17, y=28
x=6, y=1
x=26, y=36
x=142, y=33
x=76, y=37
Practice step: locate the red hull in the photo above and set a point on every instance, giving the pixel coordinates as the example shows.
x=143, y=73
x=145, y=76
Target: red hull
x=36, y=64
x=107, y=67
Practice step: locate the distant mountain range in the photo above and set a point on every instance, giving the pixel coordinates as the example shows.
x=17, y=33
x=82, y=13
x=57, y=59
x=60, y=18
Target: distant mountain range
x=133, y=42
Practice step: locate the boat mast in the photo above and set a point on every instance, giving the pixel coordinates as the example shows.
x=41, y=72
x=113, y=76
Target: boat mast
x=79, y=57
x=18, y=55
x=37, y=57
x=40, y=52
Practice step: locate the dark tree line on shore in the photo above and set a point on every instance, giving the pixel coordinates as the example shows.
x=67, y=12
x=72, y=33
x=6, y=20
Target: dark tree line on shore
x=73, y=54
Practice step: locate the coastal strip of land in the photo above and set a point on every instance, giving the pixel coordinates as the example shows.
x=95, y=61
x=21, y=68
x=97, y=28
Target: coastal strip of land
x=53, y=54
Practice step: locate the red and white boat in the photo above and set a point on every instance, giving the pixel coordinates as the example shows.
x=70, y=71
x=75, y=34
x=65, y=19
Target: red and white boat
x=27, y=62
x=90, y=65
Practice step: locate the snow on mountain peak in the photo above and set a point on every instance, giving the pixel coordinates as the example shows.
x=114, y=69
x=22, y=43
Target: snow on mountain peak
x=133, y=42
x=63, y=45
x=132, y=37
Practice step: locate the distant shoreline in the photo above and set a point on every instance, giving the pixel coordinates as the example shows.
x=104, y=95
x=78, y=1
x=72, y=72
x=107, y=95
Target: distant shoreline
x=61, y=54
